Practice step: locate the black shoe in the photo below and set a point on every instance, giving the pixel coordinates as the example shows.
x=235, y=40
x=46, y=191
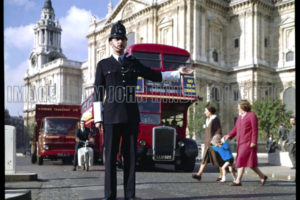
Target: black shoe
x=74, y=169
x=108, y=198
x=196, y=176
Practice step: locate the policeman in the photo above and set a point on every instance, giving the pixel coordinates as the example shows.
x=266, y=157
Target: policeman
x=116, y=77
x=82, y=134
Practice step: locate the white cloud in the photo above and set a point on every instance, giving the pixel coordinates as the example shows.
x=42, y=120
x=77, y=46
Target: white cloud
x=21, y=37
x=25, y=3
x=75, y=28
x=14, y=83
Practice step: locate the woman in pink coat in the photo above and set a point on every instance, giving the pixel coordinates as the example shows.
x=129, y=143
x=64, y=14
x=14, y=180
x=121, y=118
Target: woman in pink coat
x=246, y=132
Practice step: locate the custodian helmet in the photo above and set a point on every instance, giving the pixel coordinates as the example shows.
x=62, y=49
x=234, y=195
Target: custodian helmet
x=118, y=30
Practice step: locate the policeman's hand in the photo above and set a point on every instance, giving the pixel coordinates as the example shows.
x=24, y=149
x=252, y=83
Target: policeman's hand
x=77, y=139
x=252, y=145
x=185, y=70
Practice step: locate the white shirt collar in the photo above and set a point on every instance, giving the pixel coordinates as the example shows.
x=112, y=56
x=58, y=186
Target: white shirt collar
x=115, y=56
x=208, y=120
x=243, y=114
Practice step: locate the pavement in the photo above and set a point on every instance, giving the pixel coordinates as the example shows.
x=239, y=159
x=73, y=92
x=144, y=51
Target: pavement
x=273, y=172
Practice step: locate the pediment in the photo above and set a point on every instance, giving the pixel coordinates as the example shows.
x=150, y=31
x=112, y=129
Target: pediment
x=126, y=8
x=287, y=20
x=216, y=22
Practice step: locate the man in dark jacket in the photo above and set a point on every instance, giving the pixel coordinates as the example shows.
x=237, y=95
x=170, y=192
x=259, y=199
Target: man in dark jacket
x=82, y=134
x=116, y=76
x=291, y=141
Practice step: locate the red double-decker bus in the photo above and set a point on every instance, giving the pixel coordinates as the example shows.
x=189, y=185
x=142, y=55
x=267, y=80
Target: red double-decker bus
x=163, y=109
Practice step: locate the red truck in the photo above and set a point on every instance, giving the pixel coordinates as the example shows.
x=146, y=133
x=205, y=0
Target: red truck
x=163, y=110
x=54, y=132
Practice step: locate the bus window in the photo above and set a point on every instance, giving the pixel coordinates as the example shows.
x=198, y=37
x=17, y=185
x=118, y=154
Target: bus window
x=174, y=61
x=149, y=118
x=148, y=59
x=149, y=106
x=174, y=119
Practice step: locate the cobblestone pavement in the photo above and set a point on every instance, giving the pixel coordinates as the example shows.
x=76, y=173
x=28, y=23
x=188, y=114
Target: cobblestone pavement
x=58, y=181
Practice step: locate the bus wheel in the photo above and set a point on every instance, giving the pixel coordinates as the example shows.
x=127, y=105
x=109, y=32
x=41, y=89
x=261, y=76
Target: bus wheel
x=33, y=158
x=188, y=164
x=40, y=160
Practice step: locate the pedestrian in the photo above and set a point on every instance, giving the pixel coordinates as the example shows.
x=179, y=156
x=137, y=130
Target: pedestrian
x=271, y=144
x=212, y=127
x=222, y=147
x=116, y=77
x=282, y=135
x=82, y=134
x=282, y=132
x=246, y=132
x=291, y=141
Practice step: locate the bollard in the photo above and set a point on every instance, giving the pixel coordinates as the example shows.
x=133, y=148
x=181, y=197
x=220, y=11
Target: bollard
x=10, y=149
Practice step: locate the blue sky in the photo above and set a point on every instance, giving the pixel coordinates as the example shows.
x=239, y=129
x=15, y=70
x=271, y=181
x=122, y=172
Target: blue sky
x=19, y=18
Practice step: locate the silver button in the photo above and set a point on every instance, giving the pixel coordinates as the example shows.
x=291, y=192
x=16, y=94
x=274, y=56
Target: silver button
x=124, y=81
x=123, y=74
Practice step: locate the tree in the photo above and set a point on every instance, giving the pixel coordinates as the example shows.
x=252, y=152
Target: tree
x=270, y=114
x=7, y=117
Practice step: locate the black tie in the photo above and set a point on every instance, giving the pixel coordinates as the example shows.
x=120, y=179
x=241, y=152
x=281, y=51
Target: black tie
x=120, y=60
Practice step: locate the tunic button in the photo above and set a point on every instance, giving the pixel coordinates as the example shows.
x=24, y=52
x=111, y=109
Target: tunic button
x=123, y=74
x=124, y=81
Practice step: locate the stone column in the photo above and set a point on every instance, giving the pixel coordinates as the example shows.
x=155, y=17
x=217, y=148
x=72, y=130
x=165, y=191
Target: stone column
x=196, y=32
x=203, y=39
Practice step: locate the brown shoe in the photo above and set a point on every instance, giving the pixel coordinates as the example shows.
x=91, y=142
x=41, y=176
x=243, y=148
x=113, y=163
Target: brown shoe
x=235, y=184
x=263, y=181
x=196, y=176
x=218, y=179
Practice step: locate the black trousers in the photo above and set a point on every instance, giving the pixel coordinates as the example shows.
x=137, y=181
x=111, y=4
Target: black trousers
x=112, y=135
x=75, y=160
x=292, y=153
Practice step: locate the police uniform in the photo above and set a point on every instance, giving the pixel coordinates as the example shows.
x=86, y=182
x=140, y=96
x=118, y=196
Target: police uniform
x=117, y=78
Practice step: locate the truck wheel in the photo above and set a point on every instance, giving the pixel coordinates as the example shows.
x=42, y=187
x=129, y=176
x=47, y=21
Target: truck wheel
x=40, y=160
x=33, y=158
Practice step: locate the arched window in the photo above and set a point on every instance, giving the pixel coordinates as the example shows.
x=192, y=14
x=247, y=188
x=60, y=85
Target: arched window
x=215, y=94
x=215, y=55
x=289, y=56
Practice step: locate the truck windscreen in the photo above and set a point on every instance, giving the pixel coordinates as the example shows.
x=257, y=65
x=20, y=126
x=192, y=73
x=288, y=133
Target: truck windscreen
x=60, y=126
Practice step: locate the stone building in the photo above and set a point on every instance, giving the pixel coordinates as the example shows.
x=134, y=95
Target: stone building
x=51, y=78
x=241, y=49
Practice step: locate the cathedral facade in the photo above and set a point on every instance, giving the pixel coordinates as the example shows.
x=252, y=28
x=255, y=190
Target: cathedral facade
x=240, y=49
x=51, y=78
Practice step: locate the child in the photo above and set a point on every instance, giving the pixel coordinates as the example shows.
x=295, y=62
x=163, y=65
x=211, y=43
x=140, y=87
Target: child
x=222, y=148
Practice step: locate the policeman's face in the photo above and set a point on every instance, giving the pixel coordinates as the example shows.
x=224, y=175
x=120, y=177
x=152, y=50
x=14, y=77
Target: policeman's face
x=118, y=45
